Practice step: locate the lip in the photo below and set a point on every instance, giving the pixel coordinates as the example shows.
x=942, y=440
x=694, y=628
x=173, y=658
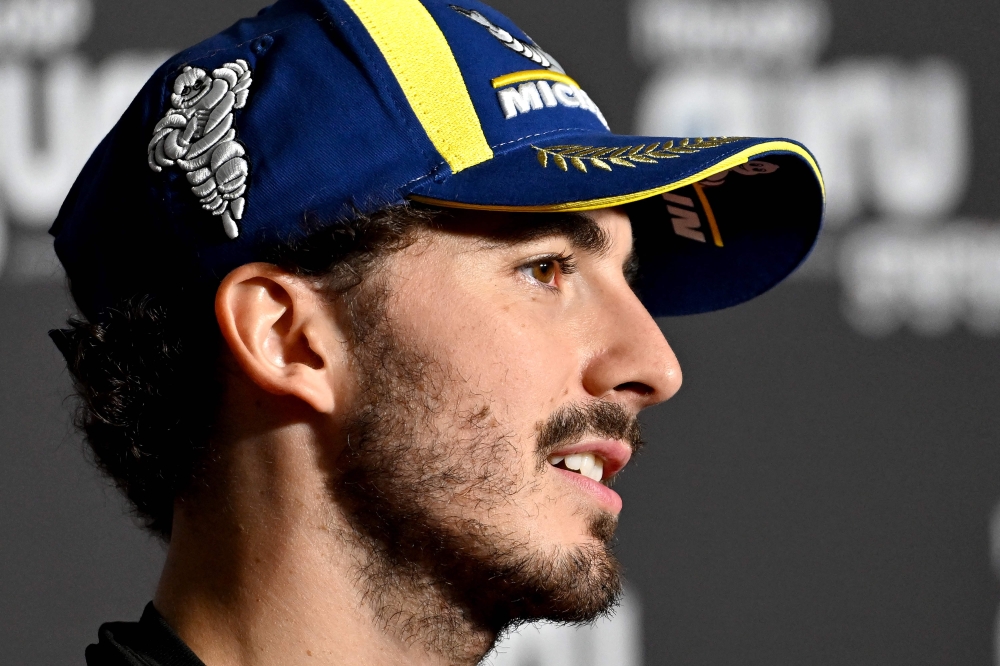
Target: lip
x=615, y=454
x=607, y=498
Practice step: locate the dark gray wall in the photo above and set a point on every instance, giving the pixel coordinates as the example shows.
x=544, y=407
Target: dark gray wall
x=811, y=496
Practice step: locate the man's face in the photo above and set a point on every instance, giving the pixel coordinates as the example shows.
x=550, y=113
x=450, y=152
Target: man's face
x=497, y=392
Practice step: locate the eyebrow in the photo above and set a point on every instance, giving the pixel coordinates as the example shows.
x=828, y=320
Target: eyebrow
x=583, y=233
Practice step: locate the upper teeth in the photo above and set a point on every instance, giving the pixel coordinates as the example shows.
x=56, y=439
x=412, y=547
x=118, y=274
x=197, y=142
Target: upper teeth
x=586, y=464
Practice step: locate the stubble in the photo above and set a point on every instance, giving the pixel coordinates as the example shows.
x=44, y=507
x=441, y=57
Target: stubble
x=427, y=461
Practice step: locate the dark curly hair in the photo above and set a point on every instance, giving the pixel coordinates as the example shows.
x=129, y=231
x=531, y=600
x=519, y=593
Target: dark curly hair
x=146, y=406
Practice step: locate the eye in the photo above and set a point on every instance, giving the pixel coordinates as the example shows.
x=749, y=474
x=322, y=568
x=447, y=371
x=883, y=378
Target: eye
x=544, y=271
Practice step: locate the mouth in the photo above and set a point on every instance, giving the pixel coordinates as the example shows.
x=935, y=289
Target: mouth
x=590, y=467
x=598, y=461
x=586, y=464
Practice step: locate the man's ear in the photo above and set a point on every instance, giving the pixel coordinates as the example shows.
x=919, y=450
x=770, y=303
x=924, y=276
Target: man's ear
x=282, y=333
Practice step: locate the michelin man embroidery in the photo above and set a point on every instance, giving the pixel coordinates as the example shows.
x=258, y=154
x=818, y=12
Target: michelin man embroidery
x=197, y=135
x=530, y=51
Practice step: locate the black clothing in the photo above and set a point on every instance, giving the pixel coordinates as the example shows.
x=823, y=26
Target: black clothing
x=148, y=642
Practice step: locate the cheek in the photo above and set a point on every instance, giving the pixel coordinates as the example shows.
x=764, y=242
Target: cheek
x=518, y=358
x=508, y=349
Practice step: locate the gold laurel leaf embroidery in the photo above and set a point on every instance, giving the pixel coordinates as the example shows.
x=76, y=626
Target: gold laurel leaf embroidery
x=660, y=155
x=603, y=157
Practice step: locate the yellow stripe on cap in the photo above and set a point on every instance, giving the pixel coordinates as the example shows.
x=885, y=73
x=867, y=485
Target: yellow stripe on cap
x=424, y=65
x=533, y=75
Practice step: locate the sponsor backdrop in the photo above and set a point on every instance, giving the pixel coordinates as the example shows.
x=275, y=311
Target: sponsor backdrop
x=820, y=492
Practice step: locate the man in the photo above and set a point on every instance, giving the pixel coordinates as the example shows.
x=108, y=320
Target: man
x=362, y=336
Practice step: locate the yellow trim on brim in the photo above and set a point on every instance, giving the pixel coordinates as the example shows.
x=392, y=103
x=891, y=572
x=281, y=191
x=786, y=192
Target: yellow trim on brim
x=736, y=160
x=533, y=75
x=425, y=67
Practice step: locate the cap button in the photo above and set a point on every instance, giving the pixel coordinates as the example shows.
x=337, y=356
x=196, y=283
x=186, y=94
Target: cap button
x=262, y=44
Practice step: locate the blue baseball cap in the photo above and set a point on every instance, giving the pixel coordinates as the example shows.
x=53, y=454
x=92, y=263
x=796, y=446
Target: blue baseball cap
x=330, y=108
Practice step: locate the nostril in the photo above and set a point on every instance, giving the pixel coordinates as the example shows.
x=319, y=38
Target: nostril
x=635, y=387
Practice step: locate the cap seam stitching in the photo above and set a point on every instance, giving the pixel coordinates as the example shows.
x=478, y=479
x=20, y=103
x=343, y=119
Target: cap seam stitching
x=242, y=44
x=552, y=131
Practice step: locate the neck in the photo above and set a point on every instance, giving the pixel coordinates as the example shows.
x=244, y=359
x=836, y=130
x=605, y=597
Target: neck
x=263, y=570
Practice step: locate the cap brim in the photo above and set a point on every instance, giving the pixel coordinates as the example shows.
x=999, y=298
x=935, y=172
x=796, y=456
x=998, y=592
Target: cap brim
x=716, y=221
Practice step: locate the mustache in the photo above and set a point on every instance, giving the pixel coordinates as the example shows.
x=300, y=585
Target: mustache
x=570, y=424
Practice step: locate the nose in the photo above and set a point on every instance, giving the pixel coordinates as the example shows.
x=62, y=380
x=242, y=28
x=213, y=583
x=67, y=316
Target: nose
x=631, y=361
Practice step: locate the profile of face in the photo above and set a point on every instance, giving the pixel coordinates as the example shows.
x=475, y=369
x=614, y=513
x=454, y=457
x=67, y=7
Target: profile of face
x=496, y=391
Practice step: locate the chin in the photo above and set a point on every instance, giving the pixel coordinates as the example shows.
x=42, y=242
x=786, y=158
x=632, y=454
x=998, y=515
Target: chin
x=599, y=529
x=603, y=526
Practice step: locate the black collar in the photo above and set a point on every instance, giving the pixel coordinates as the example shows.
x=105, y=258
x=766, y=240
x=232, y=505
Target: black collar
x=148, y=642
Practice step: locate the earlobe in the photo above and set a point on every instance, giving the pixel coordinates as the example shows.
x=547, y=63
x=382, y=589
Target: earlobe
x=281, y=334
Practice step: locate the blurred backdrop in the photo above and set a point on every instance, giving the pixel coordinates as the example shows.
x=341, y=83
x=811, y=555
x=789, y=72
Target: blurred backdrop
x=822, y=490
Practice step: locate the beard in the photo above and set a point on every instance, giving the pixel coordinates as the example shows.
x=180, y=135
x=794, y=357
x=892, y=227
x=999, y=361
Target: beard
x=427, y=460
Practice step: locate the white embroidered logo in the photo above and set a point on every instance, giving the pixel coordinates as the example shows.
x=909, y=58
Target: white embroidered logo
x=197, y=135
x=535, y=95
x=529, y=51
